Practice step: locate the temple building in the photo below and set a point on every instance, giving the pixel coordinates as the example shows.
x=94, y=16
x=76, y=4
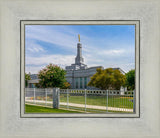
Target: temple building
x=77, y=74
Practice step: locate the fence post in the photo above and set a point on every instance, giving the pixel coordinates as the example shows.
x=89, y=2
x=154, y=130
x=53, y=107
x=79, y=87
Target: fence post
x=67, y=99
x=56, y=92
x=107, y=101
x=85, y=98
x=46, y=96
x=34, y=95
x=134, y=101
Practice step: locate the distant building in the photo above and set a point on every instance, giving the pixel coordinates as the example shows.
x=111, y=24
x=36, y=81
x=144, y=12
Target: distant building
x=78, y=74
x=34, y=80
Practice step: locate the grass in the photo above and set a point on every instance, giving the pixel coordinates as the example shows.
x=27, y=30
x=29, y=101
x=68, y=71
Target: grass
x=113, y=101
x=119, y=101
x=39, y=109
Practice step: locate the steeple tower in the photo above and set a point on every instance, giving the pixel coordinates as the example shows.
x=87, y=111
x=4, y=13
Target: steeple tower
x=79, y=59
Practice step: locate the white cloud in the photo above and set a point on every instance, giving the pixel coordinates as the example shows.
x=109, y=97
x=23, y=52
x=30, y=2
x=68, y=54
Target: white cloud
x=33, y=69
x=34, y=64
x=93, y=55
x=33, y=47
x=46, y=59
x=66, y=39
x=125, y=67
x=51, y=36
x=112, y=52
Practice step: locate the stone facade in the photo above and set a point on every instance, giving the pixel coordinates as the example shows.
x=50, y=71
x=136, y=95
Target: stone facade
x=79, y=78
x=78, y=74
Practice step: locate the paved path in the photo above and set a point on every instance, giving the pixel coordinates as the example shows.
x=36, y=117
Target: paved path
x=87, y=106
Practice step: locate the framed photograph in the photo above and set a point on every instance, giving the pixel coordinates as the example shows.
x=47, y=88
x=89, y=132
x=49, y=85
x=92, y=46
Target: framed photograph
x=65, y=67
x=100, y=88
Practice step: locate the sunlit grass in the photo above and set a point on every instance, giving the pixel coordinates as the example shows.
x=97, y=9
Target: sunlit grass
x=39, y=109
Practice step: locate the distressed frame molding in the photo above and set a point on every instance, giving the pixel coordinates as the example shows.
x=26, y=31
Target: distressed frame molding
x=12, y=125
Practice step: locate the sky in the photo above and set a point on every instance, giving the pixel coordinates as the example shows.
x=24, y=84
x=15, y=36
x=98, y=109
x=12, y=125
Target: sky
x=102, y=45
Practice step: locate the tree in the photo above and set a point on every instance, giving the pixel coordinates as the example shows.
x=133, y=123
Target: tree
x=107, y=79
x=27, y=77
x=130, y=80
x=66, y=85
x=119, y=79
x=51, y=76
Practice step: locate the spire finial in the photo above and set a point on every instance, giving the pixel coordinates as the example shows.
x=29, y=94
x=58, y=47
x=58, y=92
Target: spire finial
x=79, y=37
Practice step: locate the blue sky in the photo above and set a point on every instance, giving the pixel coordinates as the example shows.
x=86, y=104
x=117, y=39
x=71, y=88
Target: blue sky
x=102, y=45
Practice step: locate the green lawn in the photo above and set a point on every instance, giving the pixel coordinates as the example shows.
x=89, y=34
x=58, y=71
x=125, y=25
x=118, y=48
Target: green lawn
x=113, y=101
x=118, y=101
x=39, y=109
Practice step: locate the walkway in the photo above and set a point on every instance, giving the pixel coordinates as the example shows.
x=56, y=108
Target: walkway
x=83, y=106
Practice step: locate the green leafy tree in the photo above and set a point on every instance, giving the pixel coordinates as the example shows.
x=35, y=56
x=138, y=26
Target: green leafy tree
x=130, y=80
x=51, y=76
x=27, y=77
x=66, y=85
x=107, y=79
x=119, y=79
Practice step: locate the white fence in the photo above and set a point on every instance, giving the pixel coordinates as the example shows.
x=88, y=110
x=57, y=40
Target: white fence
x=89, y=101
x=38, y=96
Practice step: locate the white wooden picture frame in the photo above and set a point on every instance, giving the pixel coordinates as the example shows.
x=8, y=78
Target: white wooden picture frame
x=14, y=125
